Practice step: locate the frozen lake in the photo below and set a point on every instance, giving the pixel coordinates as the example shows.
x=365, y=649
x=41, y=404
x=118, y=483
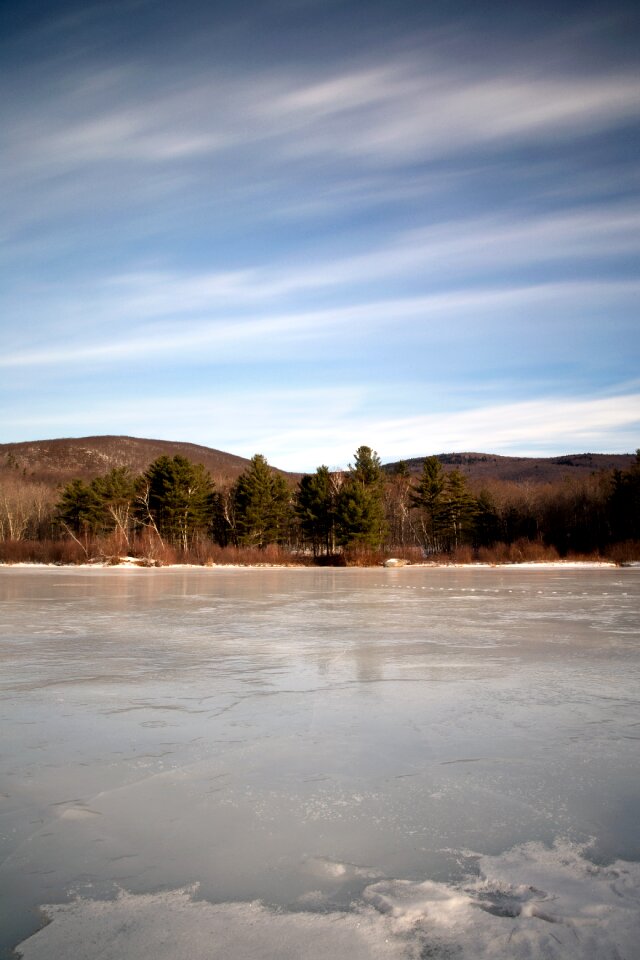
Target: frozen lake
x=300, y=763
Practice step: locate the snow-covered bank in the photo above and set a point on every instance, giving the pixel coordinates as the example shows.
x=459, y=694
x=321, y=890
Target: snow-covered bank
x=129, y=563
x=532, y=565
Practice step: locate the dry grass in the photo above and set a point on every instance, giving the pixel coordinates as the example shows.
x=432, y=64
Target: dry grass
x=209, y=554
x=41, y=551
x=363, y=557
x=626, y=552
x=150, y=551
x=522, y=551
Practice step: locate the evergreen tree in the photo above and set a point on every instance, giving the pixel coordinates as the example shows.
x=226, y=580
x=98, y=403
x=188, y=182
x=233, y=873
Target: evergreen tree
x=116, y=493
x=79, y=509
x=360, y=518
x=261, y=505
x=446, y=508
x=624, y=502
x=282, y=510
x=487, y=521
x=175, y=498
x=459, y=510
x=223, y=521
x=429, y=499
x=79, y=512
x=316, y=509
x=366, y=468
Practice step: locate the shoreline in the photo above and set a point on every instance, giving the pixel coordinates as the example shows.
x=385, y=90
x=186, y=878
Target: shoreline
x=131, y=563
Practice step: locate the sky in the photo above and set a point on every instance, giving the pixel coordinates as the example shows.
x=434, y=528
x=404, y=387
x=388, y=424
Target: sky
x=300, y=226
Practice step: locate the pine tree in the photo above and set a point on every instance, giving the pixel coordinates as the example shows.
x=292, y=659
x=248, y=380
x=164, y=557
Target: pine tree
x=116, y=493
x=316, y=509
x=428, y=497
x=281, y=510
x=487, y=520
x=624, y=502
x=175, y=497
x=79, y=509
x=261, y=505
x=366, y=468
x=360, y=518
x=459, y=510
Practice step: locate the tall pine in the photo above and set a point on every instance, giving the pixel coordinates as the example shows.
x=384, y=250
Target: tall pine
x=316, y=509
x=428, y=498
x=360, y=517
x=261, y=505
x=175, y=498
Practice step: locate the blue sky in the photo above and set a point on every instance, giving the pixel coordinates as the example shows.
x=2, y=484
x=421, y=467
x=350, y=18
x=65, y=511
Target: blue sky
x=296, y=227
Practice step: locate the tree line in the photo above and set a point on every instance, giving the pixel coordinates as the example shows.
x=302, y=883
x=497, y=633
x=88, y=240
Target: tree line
x=328, y=514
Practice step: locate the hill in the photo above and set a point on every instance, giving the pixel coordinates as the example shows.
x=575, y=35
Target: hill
x=480, y=467
x=55, y=462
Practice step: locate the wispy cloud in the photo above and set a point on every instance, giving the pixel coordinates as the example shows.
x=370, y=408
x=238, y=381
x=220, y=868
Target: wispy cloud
x=547, y=426
x=424, y=211
x=452, y=248
x=407, y=110
x=245, y=338
x=409, y=107
x=302, y=428
x=459, y=264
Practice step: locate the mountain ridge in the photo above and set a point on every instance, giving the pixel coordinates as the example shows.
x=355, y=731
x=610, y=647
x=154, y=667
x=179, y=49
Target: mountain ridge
x=60, y=459
x=56, y=461
x=522, y=469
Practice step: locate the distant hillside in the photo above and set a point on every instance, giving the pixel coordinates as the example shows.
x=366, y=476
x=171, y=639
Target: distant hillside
x=479, y=467
x=56, y=462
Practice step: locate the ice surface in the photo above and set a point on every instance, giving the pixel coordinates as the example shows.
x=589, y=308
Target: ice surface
x=319, y=750
x=531, y=902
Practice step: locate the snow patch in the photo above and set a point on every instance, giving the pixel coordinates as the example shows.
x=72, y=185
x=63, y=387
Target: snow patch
x=532, y=901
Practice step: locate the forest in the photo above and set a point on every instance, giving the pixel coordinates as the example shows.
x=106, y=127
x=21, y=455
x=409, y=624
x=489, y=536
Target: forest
x=173, y=512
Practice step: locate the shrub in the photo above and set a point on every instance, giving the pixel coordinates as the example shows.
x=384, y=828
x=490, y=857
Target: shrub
x=41, y=551
x=363, y=556
x=462, y=554
x=521, y=551
x=626, y=552
x=149, y=547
